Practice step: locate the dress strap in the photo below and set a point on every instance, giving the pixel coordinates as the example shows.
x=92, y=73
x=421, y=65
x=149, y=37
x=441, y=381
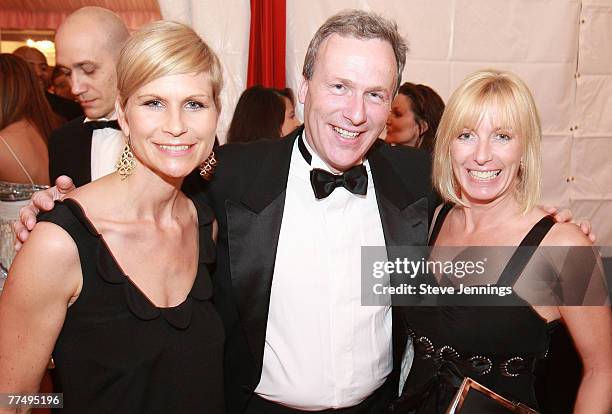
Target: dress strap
x=525, y=251
x=17, y=159
x=538, y=232
x=438, y=221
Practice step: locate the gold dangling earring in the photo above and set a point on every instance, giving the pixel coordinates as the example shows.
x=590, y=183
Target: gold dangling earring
x=208, y=167
x=127, y=162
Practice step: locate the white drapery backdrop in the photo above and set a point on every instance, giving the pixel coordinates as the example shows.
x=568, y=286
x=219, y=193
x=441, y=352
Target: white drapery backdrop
x=561, y=48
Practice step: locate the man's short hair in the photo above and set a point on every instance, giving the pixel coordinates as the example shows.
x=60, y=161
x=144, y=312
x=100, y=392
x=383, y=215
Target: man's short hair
x=361, y=25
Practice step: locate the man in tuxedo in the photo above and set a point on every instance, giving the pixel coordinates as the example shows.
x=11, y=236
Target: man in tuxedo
x=87, y=46
x=65, y=108
x=293, y=215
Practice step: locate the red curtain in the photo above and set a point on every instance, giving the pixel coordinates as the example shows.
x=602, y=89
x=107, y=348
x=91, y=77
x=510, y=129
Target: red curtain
x=267, y=44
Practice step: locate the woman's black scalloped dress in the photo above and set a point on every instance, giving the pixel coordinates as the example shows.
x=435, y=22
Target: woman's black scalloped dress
x=497, y=346
x=119, y=353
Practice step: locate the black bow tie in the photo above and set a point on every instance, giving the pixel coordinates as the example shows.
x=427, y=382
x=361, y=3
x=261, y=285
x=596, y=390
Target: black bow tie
x=355, y=180
x=102, y=124
x=323, y=182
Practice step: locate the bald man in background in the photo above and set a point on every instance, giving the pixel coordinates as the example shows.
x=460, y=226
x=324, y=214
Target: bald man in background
x=87, y=47
x=65, y=108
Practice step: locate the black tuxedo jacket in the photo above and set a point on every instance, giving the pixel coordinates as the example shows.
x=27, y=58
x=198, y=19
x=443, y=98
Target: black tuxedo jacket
x=247, y=194
x=70, y=152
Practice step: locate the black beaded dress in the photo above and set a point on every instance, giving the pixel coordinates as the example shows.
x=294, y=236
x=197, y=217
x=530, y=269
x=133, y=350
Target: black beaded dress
x=119, y=353
x=497, y=346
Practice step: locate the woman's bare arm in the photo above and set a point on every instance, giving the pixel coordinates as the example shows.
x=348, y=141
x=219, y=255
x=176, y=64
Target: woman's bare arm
x=591, y=330
x=44, y=278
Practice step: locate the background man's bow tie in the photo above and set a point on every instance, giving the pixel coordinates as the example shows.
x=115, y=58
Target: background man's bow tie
x=102, y=124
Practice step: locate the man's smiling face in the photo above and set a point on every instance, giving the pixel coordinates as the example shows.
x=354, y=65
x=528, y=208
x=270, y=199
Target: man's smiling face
x=347, y=99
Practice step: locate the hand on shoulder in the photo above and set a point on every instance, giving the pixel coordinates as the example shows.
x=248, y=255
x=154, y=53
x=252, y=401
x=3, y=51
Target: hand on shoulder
x=41, y=201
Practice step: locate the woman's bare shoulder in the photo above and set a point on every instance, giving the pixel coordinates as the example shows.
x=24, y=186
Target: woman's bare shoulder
x=49, y=261
x=50, y=243
x=94, y=197
x=560, y=234
x=566, y=234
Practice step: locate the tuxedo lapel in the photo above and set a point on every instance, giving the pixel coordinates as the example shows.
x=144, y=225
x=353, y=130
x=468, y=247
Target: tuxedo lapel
x=70, y=152
x=403, y=216
x=82, y=153
x=253, y=230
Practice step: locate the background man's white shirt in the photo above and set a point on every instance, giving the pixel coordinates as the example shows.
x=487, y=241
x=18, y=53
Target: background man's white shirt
x=106, y=147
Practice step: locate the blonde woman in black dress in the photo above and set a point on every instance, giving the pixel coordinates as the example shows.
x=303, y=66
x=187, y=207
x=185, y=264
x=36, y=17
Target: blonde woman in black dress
x=487, y=168
x=114, y=283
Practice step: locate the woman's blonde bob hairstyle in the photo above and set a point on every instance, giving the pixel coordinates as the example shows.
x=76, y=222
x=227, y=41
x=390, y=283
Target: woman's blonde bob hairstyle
x=513, y=108
x=165, y=48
